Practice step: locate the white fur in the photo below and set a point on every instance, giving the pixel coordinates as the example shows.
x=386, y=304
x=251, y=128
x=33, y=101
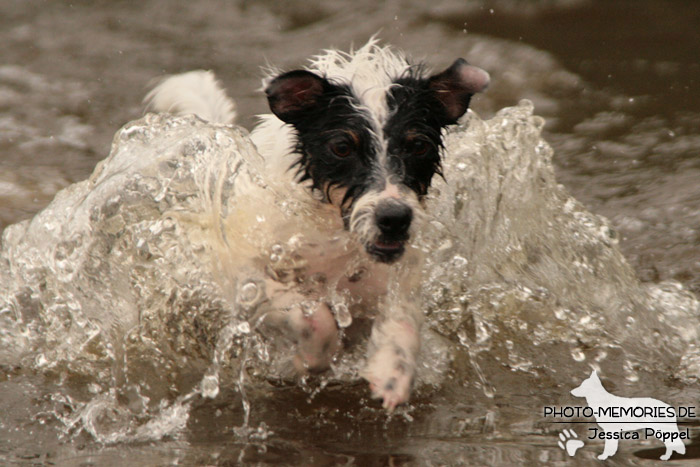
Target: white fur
x=369, y=71
x=275, y=141
x=362, y=215
x=195, y=92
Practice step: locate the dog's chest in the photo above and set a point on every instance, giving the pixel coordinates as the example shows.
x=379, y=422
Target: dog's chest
x=358, y=280
x=331, y=270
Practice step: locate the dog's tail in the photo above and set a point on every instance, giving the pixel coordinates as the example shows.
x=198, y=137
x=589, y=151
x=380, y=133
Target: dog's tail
x=195, y=92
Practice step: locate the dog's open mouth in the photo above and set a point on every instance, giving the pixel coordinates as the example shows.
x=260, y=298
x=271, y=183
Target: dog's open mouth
x=386, y=251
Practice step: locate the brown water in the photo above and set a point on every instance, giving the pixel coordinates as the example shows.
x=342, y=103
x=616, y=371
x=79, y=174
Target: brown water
x=617, y=82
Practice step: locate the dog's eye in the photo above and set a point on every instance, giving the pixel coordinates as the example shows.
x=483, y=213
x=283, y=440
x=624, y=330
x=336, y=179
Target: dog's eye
x=418, y=147
x=341, y=148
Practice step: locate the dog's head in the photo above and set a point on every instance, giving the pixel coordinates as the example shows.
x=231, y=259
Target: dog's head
x=589, y=386
x=369, y=135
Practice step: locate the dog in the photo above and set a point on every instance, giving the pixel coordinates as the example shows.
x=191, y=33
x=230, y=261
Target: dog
x=655, y=417
x=361, y=134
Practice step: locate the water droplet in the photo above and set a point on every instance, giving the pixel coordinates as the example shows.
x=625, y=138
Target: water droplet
x=210, y=386
x=249, y=292
x=308, y=307
x=445, y=245
x=462, y=336
x=482, y=334
x=560, y=313
x=41, y=360
x=631, y=374
x=602, y=355
x=342, y=315
x=459, y=261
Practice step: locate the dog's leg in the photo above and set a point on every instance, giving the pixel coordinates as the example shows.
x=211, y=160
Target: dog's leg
x=667, y=455
x=316, y=335
x=391, y=365
x=609, y=449
x=676, y=445
x=311, y=326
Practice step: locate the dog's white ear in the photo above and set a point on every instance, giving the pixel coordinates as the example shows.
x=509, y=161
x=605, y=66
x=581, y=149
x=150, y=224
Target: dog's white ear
x=455, y=86
x=292, y=93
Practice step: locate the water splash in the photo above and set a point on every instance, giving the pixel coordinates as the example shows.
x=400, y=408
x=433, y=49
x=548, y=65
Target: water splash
x=148, y=280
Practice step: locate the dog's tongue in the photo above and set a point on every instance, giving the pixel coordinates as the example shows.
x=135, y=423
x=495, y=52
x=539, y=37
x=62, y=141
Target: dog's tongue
x=387, y=245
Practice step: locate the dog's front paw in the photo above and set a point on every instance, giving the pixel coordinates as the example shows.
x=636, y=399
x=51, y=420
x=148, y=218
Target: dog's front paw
x=317, y=338
x=390, y=375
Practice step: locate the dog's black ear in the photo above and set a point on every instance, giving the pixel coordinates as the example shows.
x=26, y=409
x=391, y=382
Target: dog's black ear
x=455, y=86
x=293, y=93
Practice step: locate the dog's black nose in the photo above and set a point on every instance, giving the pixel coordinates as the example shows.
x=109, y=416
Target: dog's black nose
x=393, y=219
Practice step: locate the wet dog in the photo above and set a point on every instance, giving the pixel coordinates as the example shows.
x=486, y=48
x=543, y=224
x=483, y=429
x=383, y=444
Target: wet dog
x=362, y=132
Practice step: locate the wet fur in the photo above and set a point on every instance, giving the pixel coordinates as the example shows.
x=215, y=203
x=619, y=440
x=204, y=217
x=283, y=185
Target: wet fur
x=362, y=133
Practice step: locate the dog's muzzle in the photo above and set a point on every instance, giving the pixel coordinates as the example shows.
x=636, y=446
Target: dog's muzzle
x=393, y=220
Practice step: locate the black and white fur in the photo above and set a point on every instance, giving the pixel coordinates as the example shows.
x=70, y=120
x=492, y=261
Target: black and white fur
x=362, y=132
